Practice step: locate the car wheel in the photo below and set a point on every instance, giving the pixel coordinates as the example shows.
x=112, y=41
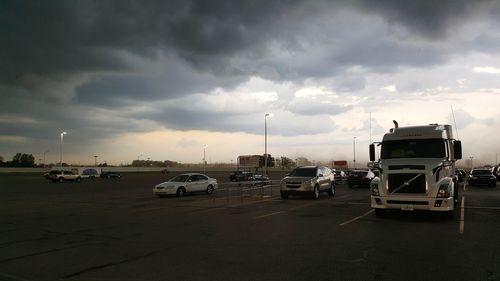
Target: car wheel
x=284, y=195
x=181, y=191
x=210, y=189
x=315, y=194
x=379, y=212
x=61, y=179
x=331, y=191
x=78, y=179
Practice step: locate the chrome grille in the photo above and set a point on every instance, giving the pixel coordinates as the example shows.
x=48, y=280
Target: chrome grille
x=293, y=184
x=407, y=183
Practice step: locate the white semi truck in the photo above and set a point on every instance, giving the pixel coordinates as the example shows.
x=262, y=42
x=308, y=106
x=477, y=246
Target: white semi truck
x=417, y=167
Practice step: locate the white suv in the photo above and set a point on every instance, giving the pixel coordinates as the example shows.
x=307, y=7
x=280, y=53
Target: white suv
x=63, y=175
x=309, y=180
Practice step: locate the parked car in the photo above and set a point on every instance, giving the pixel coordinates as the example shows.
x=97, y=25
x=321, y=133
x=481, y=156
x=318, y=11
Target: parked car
x=241, y=176
x=308, y=180
x=109, y=175
x=360, y=178
x=481, y=176
x=63, y=175
x=259, y=180
x=459, y=175
x=340, y=177
x=184, y=183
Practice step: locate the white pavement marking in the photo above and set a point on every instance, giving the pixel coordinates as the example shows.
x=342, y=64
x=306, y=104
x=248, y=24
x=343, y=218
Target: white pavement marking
x=462, y=219
x=268, y=215
x=13, y=277
x=485, y=208
x=357, y=218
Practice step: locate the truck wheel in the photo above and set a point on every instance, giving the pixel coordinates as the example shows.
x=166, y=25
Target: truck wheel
x=447, y=215
x=379, y=212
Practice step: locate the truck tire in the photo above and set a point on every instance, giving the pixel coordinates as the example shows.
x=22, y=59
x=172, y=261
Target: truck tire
x=379, y=212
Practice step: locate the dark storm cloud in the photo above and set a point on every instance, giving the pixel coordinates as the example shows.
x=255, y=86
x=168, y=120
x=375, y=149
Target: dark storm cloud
x=64, y=37
x=57, y=58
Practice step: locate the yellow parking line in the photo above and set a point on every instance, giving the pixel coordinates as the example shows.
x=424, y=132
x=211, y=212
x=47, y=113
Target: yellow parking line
x=462, y=219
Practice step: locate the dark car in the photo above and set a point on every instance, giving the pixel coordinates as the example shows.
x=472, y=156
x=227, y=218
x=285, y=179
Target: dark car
x=241, y=176
x=109, y=175
x=360, y=178
x=459, y=175
x=259, y=180
x=340, y=176
x=481, y=176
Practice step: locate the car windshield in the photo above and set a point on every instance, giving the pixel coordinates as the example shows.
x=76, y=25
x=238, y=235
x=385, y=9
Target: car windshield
x=180, y=178
x=481, y=172
x=423, y=148
x=304, y=172
x=358, y=174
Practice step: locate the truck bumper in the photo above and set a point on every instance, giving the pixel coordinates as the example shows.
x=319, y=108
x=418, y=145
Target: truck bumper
x=412, y=204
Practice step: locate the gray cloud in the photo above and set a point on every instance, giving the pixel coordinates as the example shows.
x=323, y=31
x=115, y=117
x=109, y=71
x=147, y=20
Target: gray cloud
x=85, y=65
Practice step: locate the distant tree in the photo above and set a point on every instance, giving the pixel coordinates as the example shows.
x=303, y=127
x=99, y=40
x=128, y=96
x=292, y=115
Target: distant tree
x=23, y=160
x=302, y=161
x=286, y=163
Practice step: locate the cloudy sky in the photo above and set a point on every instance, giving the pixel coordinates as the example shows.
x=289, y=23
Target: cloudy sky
x=162, y=79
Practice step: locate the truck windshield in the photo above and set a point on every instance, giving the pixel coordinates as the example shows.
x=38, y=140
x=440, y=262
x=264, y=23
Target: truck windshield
x=419, y=148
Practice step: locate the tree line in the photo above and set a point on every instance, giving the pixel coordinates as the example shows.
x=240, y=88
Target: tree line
x=19, y=160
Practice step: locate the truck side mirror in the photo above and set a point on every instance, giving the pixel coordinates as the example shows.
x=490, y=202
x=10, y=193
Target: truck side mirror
x=457, y=149
x=372, y=152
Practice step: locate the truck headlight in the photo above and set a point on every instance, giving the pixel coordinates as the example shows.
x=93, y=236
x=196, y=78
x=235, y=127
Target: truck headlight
x=444, y=191
x=374, y=189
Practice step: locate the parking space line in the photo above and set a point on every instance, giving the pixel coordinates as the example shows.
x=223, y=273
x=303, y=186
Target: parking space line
x=268, y=215
x=12, y=277
x=462, y=219
x=358, y=217
x=484, y=208
x=291, y=209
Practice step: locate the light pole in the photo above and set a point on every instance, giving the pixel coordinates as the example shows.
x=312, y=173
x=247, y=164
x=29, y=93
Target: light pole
x=45, y=152
x=354, y=152
x=204, y=159
x=95, y=160
x=471, y=162
x=265, y=142
x=61, y=150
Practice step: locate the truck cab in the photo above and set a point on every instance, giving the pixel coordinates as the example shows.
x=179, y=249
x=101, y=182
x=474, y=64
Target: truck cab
x=417, y=167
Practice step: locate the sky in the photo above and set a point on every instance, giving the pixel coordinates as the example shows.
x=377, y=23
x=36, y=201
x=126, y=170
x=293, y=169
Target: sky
x=162, y=80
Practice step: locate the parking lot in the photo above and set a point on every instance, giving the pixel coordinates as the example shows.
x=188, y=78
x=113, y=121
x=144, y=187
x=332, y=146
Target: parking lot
x=116, y=229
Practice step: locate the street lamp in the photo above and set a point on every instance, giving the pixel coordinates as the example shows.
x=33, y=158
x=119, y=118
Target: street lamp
x=265, y=142
x=45, y=152
x=354, y=152
x=471, y=162
x=95, y=160
x=204, y=161
x=61, y=151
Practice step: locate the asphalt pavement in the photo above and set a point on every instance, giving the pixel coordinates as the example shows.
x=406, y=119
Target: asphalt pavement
x=116, y=229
